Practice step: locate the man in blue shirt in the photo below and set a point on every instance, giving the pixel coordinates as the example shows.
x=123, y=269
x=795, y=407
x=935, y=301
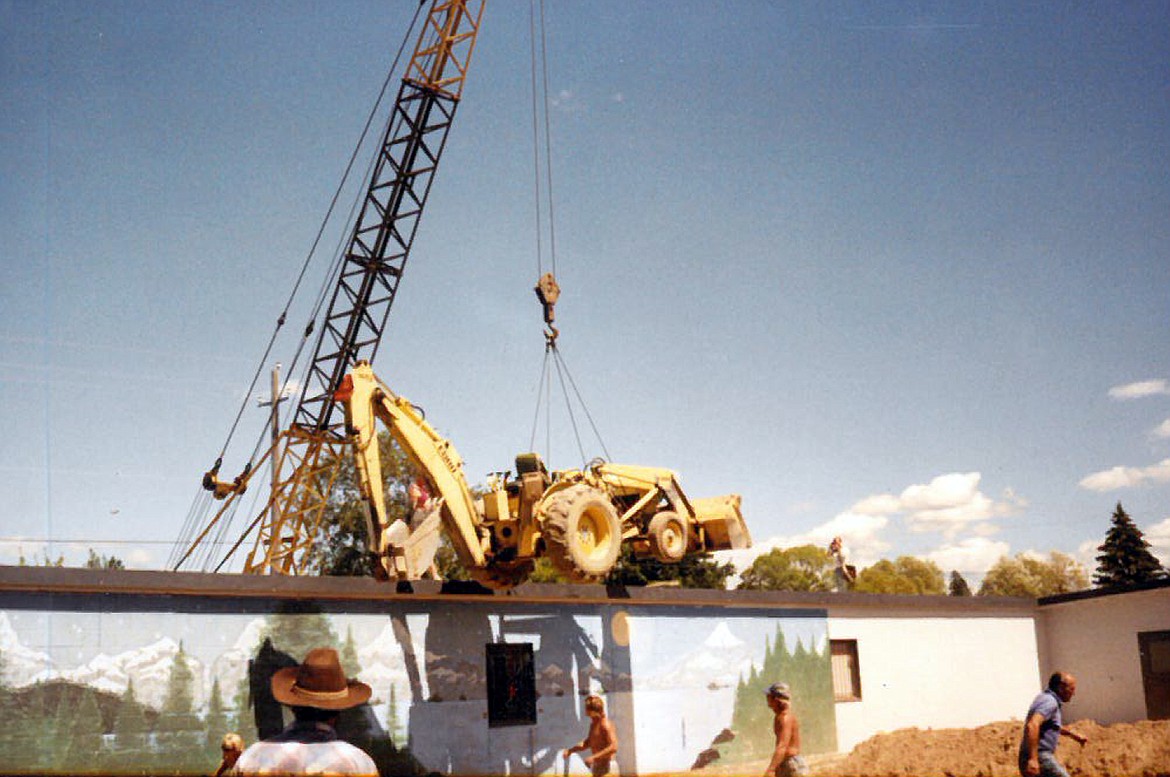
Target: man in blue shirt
x=1043, y=727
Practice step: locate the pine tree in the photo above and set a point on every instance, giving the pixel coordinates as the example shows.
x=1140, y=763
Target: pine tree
x=349, y=657
x=216, y=722
x=130, y=726
x=959, y=585
x=1125, y=557
x=85, y=733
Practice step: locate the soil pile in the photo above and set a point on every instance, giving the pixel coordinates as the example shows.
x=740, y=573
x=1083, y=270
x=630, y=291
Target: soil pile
x=1139, y=749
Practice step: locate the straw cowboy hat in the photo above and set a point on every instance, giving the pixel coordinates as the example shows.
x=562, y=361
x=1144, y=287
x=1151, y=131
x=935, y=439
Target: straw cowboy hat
x=318, y=682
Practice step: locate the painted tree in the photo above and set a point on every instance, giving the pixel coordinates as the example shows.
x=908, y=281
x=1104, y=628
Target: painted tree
x=296, y=632
x=958, y=585
x=1125, y=557
x=85, y=733
x=808, y=675
x=243, y=722
x=394, y=725
x=215, y=724
x=130, y=727
x=349, y=655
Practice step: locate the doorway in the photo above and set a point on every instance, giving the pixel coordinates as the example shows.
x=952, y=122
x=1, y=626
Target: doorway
x=1154, y=647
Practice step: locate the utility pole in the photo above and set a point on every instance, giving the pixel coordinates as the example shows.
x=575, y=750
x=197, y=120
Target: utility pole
x=275, y=398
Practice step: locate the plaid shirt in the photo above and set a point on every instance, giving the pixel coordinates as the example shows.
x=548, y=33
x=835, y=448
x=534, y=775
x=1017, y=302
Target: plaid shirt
x=306, y=749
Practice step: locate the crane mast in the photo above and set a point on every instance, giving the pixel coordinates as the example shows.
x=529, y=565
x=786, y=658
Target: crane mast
x=310, y=449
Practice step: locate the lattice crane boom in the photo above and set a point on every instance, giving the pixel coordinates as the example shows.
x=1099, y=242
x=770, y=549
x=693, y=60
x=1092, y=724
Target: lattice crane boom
x=367, y=281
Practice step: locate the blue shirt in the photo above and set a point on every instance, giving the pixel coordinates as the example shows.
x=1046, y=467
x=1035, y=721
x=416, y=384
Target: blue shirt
x=1048, y=705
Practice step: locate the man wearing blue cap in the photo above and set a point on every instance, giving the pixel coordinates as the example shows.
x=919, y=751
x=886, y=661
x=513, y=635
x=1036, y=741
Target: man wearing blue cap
x=786, y=760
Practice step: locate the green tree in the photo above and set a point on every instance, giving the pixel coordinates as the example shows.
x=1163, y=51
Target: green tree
x=802, y=568
x=216, y=722
x=1125, y=557
x=693, y=571
x=393, y=720
x=904, y=575
x=349, y=656
x=85, y=735
x=1029, y=576
x=958, y=585
x=341, y=546
x=130, y=726
x=243, y=722
x=296, y=632
x=103, y=562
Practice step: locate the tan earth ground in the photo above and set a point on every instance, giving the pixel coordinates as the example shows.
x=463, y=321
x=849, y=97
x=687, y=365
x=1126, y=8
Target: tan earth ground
x=1139, y=749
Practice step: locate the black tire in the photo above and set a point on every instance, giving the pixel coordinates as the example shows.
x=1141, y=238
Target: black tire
x=669, y=536
x=582, y=533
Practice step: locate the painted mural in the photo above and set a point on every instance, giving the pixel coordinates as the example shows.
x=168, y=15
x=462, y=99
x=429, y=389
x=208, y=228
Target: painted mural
x=144, y=691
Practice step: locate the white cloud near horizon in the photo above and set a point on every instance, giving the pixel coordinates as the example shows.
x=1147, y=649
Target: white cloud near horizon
x=948, y=504
x=1162, y=430
x=1126, y=477
x=973, y=555
x=859, y=532
x=1158, y=536
x=1139, y=390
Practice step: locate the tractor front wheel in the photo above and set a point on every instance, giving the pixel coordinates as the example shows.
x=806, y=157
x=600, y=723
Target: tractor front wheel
x=668, y=537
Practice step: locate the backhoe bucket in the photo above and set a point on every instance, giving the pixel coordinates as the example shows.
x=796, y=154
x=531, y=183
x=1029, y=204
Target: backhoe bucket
x=722, y=522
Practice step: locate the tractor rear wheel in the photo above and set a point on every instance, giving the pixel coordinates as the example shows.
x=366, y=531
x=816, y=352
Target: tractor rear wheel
x=582, y=533
x=668, y=537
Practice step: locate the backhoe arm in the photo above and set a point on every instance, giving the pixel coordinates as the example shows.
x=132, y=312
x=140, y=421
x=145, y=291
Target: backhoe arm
x=365, y=399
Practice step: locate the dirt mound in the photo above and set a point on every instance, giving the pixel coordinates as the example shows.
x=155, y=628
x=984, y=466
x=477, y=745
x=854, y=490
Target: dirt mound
x=1139, y=749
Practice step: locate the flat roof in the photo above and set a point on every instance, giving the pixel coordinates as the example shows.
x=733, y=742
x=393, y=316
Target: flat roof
x=249, y=591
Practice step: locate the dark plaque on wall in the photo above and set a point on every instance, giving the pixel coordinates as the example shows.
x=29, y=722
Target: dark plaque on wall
x=511, y=685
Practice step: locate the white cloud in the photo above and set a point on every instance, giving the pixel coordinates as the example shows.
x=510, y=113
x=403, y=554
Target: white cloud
x=1158, y=536
x=948, y=503
x=1127, y=477
x=972, y=556
x=1144, y=388
x=859, y=532
x=1162, y=430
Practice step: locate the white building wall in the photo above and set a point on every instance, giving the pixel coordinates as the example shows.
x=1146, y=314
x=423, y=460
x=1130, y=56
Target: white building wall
x=1096, y=640
x=936, y=672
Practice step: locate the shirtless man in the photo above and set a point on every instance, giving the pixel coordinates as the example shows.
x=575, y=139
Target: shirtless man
x=601, y=740
x=786, y=760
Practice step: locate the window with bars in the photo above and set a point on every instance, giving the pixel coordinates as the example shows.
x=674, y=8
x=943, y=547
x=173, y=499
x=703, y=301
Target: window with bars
x=846, y=670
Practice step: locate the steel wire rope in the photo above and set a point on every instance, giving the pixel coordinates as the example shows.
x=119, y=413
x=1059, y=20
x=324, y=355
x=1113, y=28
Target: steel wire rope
x=552, y=232
x=193, y=516
x=536, y=413
x=584, y=407
x=557, y=362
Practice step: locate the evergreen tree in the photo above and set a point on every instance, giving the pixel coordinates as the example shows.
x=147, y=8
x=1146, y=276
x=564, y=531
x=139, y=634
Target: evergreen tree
x=242, y=720
x=349, y=656
x=216, y=722
x=296, y=633
x=130, y=726
x=1125, y=557
x=959, y=585
x=85, y=734
x=393, y=723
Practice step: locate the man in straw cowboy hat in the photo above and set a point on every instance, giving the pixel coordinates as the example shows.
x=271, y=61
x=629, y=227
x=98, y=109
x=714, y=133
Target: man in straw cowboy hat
x=317, y=691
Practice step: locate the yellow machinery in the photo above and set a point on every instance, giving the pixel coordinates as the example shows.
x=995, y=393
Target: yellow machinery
x=578, y=518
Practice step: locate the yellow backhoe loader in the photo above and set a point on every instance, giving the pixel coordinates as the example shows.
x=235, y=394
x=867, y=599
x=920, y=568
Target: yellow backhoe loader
x=578, y=518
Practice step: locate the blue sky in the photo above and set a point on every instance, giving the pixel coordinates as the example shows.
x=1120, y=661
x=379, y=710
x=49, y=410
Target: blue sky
x=896, y=271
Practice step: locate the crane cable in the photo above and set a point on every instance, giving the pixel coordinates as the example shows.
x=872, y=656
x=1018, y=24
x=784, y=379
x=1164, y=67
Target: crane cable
x=547, y=289
x=199, y=505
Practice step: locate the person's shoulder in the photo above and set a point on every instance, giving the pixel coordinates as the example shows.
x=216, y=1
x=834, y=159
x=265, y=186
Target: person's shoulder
x=1044, y=703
